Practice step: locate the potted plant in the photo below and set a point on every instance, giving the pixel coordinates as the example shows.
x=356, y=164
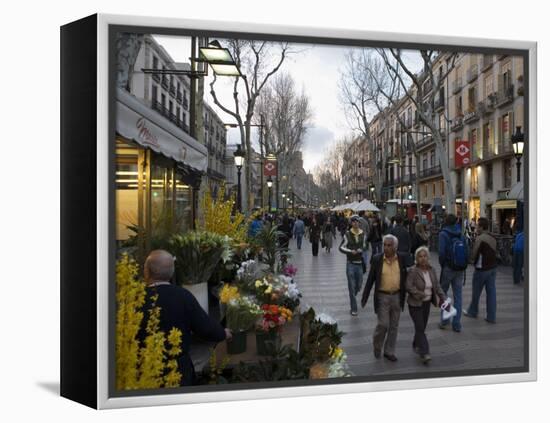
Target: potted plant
x=241, y=314
x=197, y=254
x=268, y=331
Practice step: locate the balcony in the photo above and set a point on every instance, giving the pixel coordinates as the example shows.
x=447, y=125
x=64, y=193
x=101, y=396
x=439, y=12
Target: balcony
x=471, y=115
x=505, y=95
x=487, y=63
x=488, y=105
x=165, y=82
x=183, y=125
x=179, y=97
x=156, y=77
x=458, y=123
x=457, y=85
x=430, y=172
x=472, y=73
x=185, y=103
x=424, y=142
x=173, y=90
x=160, y=108
x=439, y=103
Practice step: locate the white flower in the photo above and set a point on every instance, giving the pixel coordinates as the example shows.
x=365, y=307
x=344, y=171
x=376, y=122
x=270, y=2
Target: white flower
x=286, y=279
x=293, y=292
x=325, y=318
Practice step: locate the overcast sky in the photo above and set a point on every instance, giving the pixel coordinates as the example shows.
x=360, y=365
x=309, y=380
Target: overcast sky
x=316, y=70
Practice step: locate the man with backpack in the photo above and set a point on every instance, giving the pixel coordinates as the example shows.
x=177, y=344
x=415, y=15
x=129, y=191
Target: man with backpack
x=453, y=258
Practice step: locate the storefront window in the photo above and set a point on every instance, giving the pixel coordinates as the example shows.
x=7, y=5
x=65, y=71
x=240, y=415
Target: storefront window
x=127, y=197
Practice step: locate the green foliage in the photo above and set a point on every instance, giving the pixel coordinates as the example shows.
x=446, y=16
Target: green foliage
x=267, y=243
x=197, y=255
x=319, y=339
x=283, y=363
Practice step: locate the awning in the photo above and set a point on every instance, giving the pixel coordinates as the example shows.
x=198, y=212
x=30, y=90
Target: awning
x=137, y=122
x=516, y=193
x=505, y=204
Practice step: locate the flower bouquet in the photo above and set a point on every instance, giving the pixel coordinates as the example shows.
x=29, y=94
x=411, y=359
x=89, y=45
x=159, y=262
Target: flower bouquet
x=269, y=327
x=241, y=314
x=197, y=255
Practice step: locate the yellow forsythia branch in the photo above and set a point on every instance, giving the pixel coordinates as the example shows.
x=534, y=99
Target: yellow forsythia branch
x=146, y=366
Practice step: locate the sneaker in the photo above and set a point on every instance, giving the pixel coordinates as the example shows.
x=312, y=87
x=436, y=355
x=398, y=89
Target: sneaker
x=455, y=329
x=353, y=313
x=465, y=312
x=426, y=358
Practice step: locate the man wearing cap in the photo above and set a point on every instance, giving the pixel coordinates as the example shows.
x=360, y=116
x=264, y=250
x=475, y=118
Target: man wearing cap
x=353, y=244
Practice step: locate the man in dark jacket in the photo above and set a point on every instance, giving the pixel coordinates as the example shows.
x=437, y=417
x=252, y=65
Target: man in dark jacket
x=451, y=277
x=485, y=273
x=388, y=275
x=404, y=238
x=178, y=309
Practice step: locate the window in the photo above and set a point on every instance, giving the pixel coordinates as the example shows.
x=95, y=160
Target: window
x=442, y=188
x=476, y=147
x=178, y=112
x=488, y=85
x=458, y=106
x=433, y=189
x=474, y=181
x=154, y=94
x=170, y=107
x=472, y=99
x=163, y=100
x=432, y=158
x=507, y=173
x=426, y=191
x=489, y=177
x=425, y=161
x=155, y=62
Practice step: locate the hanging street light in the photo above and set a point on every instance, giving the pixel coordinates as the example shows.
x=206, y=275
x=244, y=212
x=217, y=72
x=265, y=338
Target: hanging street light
x=239, y=161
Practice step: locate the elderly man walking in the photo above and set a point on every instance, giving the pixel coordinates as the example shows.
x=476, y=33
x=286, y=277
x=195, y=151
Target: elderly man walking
x=388, y=275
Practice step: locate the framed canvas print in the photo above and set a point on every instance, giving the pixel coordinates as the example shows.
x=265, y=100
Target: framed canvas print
x=256, y=211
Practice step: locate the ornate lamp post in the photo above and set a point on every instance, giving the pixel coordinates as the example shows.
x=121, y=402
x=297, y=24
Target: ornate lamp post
x=269, y=186
x=239, y=160
x=518, y=143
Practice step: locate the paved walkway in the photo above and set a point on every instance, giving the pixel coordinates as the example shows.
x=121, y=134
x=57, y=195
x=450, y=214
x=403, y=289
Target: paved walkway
x=480, y=345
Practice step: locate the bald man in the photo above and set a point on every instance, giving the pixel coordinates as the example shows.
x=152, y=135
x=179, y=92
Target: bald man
x=178, y=309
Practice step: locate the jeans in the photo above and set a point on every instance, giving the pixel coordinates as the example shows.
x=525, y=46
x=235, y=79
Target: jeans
x=299, y=241
x=487, y=279
x=365, y=255
x=419, y=316
x=518, y=266
x=354, y=272
x=376, y=247
x=454, y=279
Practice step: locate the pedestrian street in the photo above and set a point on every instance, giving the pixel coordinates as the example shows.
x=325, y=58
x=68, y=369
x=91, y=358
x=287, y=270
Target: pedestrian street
x=480, y=345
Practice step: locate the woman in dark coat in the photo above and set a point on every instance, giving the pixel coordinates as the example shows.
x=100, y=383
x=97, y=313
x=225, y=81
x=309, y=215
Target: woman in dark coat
x=375, y=236
x=314, y=235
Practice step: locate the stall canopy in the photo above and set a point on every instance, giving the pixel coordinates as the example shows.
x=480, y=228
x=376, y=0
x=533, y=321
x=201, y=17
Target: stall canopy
x=366, y=205
x=137, y=122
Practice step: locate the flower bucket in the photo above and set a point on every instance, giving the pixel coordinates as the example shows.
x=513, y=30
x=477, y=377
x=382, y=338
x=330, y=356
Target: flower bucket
x=264, y=341
x=237, y=344
x=200, y=292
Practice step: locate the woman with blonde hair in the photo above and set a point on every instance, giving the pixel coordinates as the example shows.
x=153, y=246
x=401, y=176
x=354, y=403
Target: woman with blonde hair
x=423, y=289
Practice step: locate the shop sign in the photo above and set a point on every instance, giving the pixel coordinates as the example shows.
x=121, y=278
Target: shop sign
x=145, y=134
x=462, y=153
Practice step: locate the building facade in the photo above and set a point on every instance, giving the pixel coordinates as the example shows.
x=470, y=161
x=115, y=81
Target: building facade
x=480, y=101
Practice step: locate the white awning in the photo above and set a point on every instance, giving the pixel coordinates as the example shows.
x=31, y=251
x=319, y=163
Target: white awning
x=137, y=122
x=366, y=205
x=516, y=193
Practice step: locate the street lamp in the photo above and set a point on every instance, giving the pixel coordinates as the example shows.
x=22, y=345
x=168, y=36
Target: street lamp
x=284, y=205
x=518, y=142
x=239, y=160
x=269, y=185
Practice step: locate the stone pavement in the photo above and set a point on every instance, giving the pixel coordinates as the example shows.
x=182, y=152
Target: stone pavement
x=480, y=345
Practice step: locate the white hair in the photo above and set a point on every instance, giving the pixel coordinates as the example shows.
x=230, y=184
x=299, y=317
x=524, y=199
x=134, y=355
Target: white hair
x=393, y=239
x=419, y=250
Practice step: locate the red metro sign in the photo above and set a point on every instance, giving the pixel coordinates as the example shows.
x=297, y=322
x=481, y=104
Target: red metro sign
x=270, y=168
x=462, y=153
